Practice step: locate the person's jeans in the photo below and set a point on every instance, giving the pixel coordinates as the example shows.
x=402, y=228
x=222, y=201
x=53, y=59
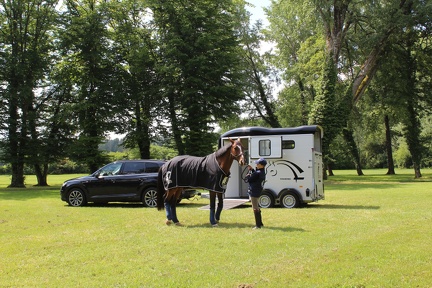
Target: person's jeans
x=171, y=211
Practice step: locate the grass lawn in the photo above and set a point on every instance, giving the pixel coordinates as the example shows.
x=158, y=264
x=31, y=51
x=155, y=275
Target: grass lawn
x=370, y=231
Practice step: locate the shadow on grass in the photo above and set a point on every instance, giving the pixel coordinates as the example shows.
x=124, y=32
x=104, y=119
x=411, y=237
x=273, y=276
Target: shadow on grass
x=337, y=206
x=353, y=186
x=132, y=205
x=225, y=225
x=25, y=194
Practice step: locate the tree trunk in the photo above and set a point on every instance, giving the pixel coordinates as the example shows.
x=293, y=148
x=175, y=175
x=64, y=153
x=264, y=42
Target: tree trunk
x=177, y=133
x=41, y=174
x=17, y=175
x=142, y=129
x=412, y=125
x=329, y=170
x=15, y=154
x=390, y=162
x=304, y=110
x=15, y=145
x=349, y=139
x=412, y=135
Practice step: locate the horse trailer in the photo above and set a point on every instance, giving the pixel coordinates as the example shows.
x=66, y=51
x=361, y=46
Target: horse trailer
x=294, y=170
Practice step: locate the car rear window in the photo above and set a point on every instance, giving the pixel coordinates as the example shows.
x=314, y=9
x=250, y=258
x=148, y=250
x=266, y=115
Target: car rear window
x=134, y=168
x=152, y=167
x=140, y=167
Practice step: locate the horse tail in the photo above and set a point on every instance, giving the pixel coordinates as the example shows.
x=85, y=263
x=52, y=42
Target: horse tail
x=160, y=190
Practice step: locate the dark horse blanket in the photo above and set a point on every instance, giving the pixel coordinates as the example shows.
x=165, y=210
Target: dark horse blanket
x=194, y=172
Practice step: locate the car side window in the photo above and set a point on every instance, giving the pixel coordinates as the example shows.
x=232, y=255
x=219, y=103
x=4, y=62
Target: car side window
x=134, y=168
x=152, y=167
x=110, y=169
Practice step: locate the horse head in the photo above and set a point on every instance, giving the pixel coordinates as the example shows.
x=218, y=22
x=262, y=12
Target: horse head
x=237, y=151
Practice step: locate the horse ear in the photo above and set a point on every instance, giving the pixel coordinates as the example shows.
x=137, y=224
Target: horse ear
x=239, y=141
x=232, y=141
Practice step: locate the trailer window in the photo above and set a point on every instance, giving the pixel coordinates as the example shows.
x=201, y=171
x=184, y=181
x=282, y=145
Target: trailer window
x=264, y=148
x=288, y=144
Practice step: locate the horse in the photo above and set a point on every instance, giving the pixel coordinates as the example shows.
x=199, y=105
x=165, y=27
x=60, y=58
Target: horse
x=210, y=172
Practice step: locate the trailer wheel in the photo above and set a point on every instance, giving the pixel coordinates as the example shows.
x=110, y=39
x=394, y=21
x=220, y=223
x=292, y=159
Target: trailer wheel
x=289, y=199
x=266, y=200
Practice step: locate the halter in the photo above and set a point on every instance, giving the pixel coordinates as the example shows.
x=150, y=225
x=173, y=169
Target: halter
x=238, y=155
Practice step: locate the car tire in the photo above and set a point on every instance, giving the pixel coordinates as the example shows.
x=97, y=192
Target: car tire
x=289, y=199
x=76, y=198
x=149, y=197
x=266, y=199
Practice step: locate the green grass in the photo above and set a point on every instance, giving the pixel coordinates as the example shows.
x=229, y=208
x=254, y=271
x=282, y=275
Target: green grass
x=370, y=231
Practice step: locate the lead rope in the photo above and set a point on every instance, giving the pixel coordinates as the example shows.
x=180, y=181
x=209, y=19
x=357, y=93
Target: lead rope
x=245, y=177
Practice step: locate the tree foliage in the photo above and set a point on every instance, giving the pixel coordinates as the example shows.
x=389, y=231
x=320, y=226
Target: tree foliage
x=198, y=61
x=169, y=72
x=25, y=37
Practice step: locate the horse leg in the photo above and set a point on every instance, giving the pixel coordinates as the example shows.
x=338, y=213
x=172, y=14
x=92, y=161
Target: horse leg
x=219, y=206
x=212, y=208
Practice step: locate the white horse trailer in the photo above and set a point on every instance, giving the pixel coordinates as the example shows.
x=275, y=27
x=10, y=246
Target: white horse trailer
x=294, y=170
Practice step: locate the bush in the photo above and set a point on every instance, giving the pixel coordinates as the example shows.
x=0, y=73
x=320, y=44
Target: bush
x=5, y=169
x=67, y=166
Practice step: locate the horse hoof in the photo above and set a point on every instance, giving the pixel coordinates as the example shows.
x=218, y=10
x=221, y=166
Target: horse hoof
x=178, y=224
x=168, y=222
x=215, y=225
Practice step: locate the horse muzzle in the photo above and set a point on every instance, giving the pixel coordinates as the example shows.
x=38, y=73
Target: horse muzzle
x=241, y=161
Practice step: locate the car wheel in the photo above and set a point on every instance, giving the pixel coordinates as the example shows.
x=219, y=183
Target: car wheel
x=289, y=199
x=266, y=200
x=76, y=198
x=149, y=197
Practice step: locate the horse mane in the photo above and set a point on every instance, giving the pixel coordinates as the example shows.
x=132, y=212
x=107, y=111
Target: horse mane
x=222, y=150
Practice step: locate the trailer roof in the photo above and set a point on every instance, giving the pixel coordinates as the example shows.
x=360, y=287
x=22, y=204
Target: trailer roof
x=261, y=131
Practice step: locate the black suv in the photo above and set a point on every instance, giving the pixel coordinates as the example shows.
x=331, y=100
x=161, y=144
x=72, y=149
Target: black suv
x=120, y=181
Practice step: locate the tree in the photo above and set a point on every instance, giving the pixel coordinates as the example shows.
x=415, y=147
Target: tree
x=26, y=27
x=258, y=71
x=356, y=36
x=198, y=62
x=299, y=54
x=86, y=51
x=136, y=51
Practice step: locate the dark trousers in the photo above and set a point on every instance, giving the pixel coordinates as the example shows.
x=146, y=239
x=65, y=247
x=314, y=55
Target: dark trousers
x=215, y=213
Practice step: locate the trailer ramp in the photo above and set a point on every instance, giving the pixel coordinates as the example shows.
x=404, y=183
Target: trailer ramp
x=228, y=204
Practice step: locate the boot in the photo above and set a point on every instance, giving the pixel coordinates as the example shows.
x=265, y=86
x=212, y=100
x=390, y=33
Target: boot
x=213, y=221
x=258, y=219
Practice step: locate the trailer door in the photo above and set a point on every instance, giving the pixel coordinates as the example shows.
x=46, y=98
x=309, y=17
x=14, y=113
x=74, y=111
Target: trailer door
x=266, y=146
x=318, y=176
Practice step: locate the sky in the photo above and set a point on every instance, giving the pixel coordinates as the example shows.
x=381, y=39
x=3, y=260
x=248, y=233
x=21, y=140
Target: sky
x=257, y=11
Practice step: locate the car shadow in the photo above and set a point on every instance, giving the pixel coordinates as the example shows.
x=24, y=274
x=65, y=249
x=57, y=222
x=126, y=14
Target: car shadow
x=113, y=205
x=133, y=205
